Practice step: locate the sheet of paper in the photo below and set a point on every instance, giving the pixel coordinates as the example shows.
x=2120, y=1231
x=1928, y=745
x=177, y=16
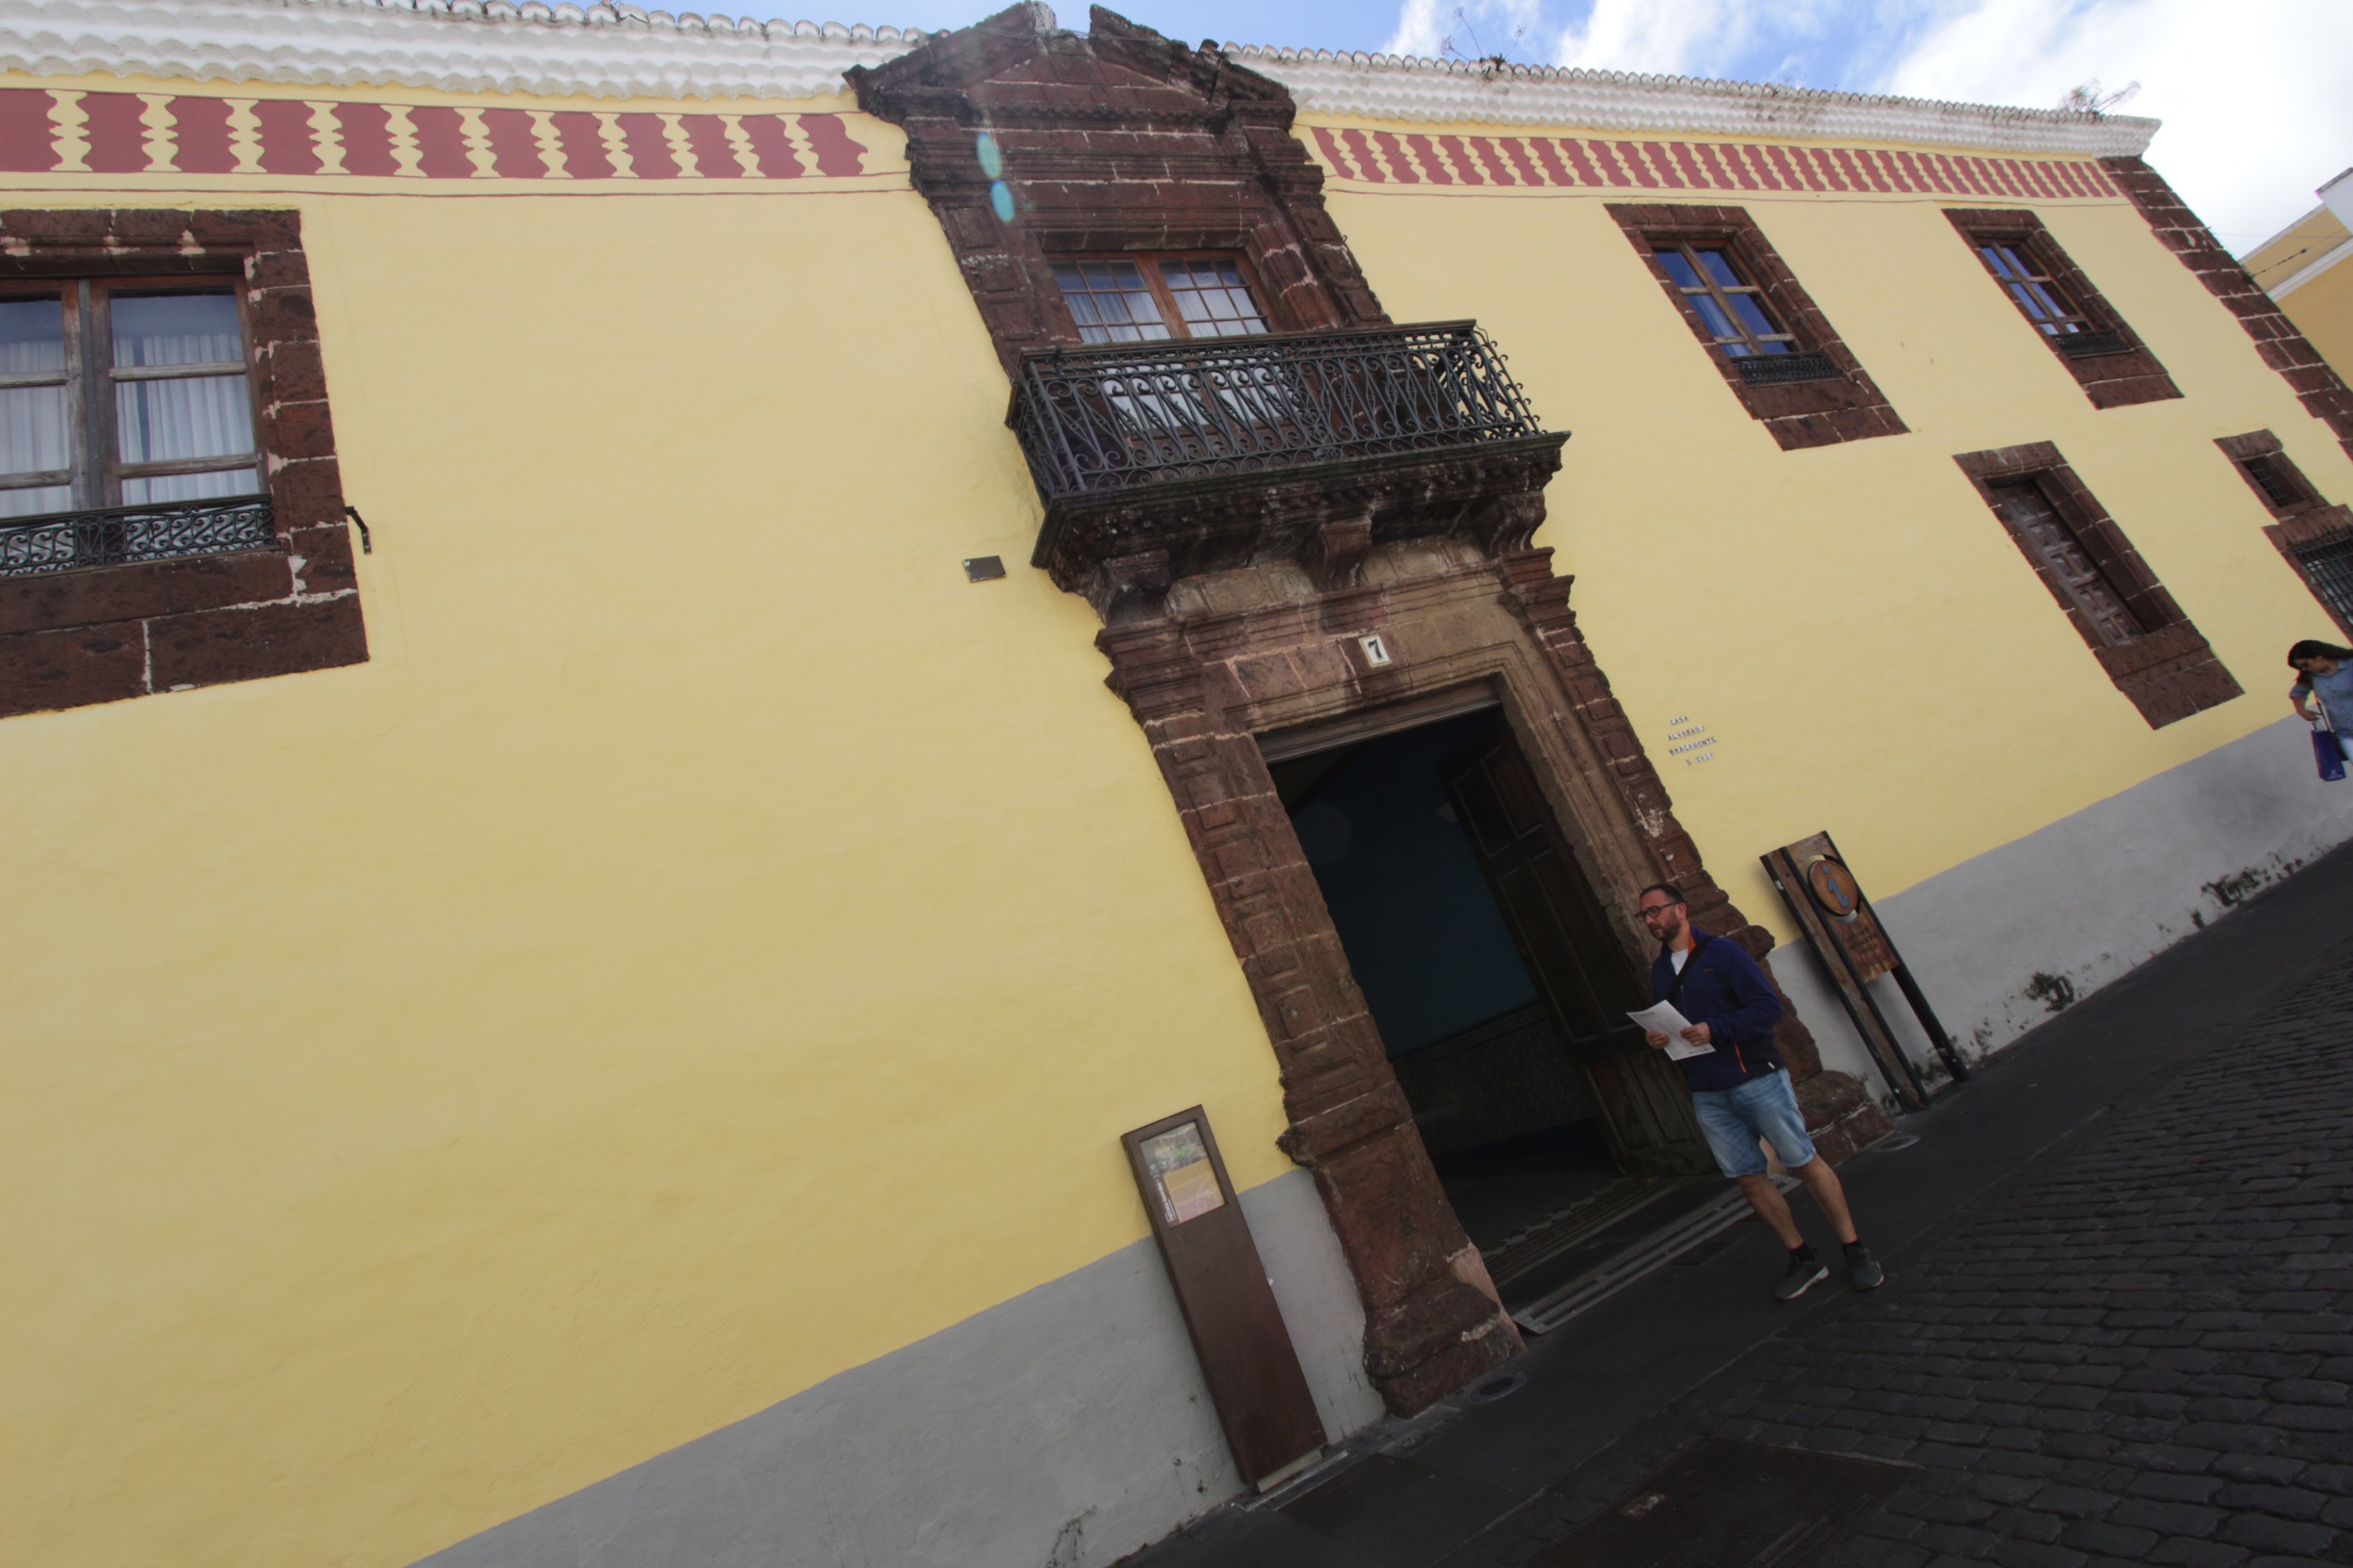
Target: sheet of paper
x=1664, y=1020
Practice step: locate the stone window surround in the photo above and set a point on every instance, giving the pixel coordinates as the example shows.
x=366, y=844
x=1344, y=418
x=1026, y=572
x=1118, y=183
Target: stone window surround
x=1799, y=414
x=1116, y=177
x=2171, y=671
x=102, y=633
x=2110, y=380
x=2301, y=526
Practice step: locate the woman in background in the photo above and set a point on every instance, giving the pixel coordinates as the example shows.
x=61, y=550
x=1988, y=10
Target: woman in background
x=2323, y=671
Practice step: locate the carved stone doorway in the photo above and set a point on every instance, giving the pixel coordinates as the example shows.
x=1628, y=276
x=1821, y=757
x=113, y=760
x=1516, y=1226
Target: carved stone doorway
x=1497, y=982
x=1330, y=523
x=1224, y=669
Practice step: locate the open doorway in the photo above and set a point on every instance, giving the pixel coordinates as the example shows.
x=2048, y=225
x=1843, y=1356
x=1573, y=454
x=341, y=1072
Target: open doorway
x=1498, y=986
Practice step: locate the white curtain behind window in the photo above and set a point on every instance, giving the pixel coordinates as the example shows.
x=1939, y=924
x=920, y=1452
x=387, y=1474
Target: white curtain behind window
x=32, y=418
x=181, y=417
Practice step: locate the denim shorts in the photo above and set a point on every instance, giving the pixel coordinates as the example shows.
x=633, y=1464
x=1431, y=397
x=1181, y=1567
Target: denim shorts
x=1735, y=1119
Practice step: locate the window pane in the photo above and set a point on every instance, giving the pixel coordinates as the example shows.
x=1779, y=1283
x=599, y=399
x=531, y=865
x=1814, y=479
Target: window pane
x=1997, y=257
x=197, y=416
x=176, y=329
x=1753, y=316
x=1679, y=268
x=2050, y=303
x=41, y=498
x=1110, y=301
x=2028, y=299
x=1212, y=298
x=1719, y=267
x=32, y=431
x=1713, y=314
x=32, y=336
x=190, y=486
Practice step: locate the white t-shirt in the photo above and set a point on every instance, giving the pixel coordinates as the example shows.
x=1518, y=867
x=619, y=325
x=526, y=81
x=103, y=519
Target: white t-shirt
x=1677, y=956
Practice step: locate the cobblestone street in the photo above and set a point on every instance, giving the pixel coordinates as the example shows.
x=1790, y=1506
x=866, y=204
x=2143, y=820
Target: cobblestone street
x=2136, y=1351
x=2121, y=1335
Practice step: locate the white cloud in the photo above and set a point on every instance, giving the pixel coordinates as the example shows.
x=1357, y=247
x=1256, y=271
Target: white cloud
x=1466, y=29
x=1420, y=29
x=1673, y=37
x=2256, y=107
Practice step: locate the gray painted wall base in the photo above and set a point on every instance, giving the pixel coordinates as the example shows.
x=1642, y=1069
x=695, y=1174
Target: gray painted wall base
x=1062, y=1429
x=2004, y=939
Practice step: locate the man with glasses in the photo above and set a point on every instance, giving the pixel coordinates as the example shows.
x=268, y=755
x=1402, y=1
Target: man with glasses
x=1740, y=1085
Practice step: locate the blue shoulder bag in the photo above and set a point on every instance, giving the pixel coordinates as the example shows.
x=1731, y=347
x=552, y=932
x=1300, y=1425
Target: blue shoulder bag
x=2328, y=754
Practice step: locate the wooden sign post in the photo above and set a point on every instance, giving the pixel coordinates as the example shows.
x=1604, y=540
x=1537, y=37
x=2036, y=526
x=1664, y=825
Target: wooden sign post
x=1254, y=1382
x=1827, y=904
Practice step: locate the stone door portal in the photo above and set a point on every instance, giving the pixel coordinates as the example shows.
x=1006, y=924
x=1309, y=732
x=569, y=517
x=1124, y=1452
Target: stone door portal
x=1364, y=555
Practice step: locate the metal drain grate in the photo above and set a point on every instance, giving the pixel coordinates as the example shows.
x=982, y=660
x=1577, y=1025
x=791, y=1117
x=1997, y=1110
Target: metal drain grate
x=1731, y=1505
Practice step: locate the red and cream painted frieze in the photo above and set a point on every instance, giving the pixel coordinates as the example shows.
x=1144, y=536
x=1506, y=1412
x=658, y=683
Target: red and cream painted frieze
x=52, y=131
x=1383, y=157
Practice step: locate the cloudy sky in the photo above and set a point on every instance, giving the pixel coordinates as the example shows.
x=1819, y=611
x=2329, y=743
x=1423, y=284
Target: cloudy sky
x=2254, y=93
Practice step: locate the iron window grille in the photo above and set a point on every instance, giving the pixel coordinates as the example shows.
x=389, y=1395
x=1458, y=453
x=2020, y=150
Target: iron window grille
x=2281, y=487
x=2329, y=568
x=1103, y=419
x=114, y=536
x=1774, y=369
x=2086, y=345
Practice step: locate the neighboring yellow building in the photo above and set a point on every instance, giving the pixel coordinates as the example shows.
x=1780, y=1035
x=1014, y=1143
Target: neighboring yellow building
x=2302, y=267
x=584, y=933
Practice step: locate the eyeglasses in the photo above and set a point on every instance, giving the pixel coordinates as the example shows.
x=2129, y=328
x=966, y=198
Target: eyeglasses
x=1649, y=909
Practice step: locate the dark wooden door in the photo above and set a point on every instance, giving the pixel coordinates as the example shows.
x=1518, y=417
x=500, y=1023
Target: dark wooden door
x=1580, y=969
x=2068, y=564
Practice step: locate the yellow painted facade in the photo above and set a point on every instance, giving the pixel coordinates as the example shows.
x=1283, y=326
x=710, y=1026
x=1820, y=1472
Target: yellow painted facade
x=2320, y=303
x=1931, y=652
x=440, y=1083
x=711, y=944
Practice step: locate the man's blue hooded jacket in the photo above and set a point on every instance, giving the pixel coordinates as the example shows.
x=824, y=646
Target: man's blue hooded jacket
x=1725, y=989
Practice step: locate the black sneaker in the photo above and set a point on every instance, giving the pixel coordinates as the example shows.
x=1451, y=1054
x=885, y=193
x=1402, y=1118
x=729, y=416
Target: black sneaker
x=1803, y=1275
x=1863, y=1270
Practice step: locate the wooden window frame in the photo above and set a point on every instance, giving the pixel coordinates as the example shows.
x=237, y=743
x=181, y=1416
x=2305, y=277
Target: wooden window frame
x=1842, y=404
x=1756, y=345
x=2168, y=671
x=102, y=633
x=95, y=469
x=2305, y=523
x=2122, y=371
x=1148, y=264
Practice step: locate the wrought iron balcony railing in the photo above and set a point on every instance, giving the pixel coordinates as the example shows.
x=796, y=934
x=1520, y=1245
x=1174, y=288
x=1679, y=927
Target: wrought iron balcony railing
x=1102, y=419
x=61, y=542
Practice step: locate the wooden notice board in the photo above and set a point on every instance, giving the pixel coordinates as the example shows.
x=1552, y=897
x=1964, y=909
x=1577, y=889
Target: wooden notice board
x=1245, y=1353
x=1827, y=902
